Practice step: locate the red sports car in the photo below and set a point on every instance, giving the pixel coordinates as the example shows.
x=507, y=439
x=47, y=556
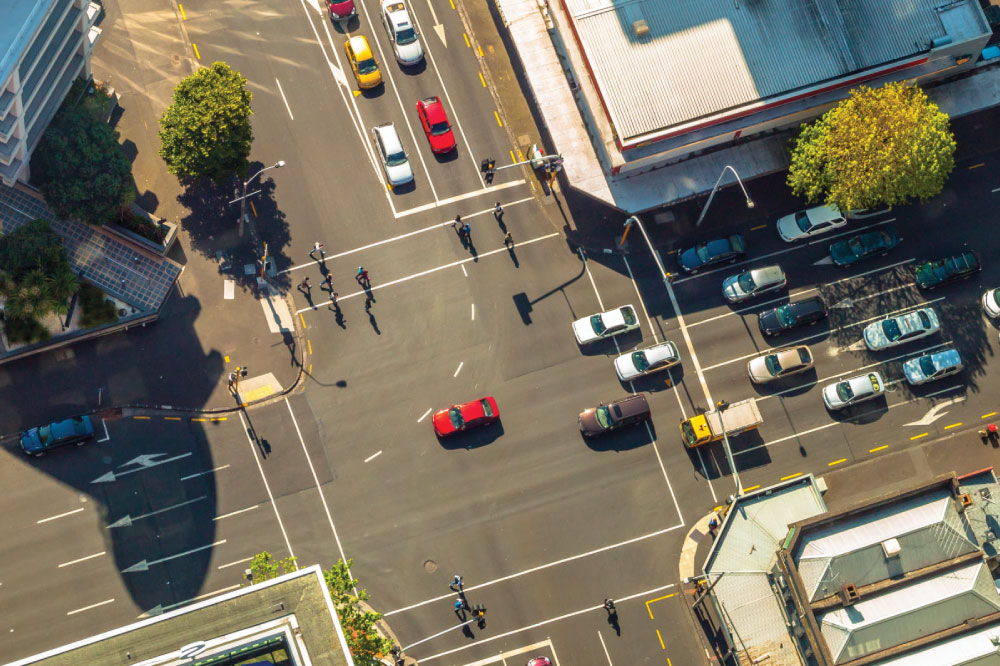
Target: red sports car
x=540, y=661
x=436, y=126
x=468, y=415
x=341, y=9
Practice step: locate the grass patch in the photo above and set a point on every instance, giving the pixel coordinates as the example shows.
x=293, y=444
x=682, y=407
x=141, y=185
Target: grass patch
x=94, y=308
x=25, y=330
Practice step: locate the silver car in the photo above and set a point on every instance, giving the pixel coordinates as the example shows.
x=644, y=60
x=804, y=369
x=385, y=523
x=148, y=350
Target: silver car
x=854, y=390
x=901, y=329
x=779, y=363
x=646, y=361
x=933, y=366
x=393, y=157
x=754, y=282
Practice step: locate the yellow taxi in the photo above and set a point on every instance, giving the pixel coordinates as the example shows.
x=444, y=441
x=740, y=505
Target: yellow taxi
x=363, y=62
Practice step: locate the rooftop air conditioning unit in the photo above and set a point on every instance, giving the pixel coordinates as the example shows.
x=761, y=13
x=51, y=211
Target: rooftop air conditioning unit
x=891, y=547
x=640, y=28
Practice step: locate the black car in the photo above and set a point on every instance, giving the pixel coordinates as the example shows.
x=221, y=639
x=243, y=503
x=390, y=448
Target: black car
x=791, y=315
x=709, y=253
x=930, y=274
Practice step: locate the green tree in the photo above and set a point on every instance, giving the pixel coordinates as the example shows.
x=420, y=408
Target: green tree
x=263, y=566
x=879, y=146
x=206, y=131
x=80, y=168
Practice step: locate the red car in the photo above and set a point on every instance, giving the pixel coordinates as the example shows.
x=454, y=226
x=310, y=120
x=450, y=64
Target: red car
x=436, y=126
x=462, y=417
x=341, y=10
x=540, y=661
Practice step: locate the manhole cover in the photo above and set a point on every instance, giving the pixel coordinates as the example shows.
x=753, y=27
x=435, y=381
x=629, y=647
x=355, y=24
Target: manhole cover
x=430, y=566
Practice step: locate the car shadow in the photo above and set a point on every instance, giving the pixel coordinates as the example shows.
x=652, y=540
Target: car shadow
x=373, y=93
x=413, y=70
x=626, y=343
x=710, y=460
x=405, y=188
x=789, y=386
x=657, y=381
x=626, y=439
x=866, y=412
x=450, y=156
x=472, y=439
x=345, y=27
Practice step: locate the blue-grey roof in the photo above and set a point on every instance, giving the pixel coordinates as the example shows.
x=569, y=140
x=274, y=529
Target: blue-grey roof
x=976, y=649
x=703, y=57
x=21, y=19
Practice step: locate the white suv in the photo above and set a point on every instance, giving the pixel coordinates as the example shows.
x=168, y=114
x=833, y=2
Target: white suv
x=390, y=151
x=402, y=34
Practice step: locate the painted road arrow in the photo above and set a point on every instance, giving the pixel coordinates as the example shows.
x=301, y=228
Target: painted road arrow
x=127, y=520
x=145, y=461
x=934, y=413
x=823, y=262
x=143, y=565
x=845, y=303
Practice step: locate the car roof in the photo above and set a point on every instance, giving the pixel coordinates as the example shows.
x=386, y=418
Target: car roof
x=812, y=304
x=789, y=356
x=823, y=214
x=946, y=358
x=632, y=405
x=910, y=321
x=766, y=274
x=390, y=138
x=862, y=384
x=662, y=350
x=360, y=46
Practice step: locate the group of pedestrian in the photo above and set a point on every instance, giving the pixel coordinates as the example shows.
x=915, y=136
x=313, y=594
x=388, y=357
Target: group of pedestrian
x=361, y=276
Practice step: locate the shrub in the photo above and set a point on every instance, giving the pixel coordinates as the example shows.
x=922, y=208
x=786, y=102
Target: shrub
x=95, y=310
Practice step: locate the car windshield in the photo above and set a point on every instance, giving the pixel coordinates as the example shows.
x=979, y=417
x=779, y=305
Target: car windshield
x=856, y=245
x=456, y=418
x=746, y=283
x=487, y=407
x=702, y=251
x=996, y=295
x=395, y=159
x=802, y=220
x=844, y=391
x=45, y=434
x=926, y=366
x=440, y=128
x=687, y=432
x=640, y=361
x=368, y=66
x=804, y=355
x=406, y=36
x=597, y=324
x=772, y=364
x=891, y=329
x=784, y=314
x=628, y=315
x=603, y=415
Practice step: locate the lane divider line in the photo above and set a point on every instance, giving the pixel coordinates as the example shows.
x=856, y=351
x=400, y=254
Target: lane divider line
x=923, y=434
x=878, y=448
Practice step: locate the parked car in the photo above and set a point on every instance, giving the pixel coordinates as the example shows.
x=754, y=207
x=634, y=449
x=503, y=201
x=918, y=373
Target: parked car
x=390, y=151
x=854, y=390
x=77, y=430
x=931, y=274
x=901, y=329
x=628, y=411
x=459, y=418
x=779, y=363
x=402, y=34
x=605, y=324
x=362, y=62
x=792, y=315
x=754, y=282
x=809, y=222
x=932, y=366
x=341, y=10
x=991, y=303
x=436, y=126
x=540, y=661
x=710, y=253
x=646, y=361
x=873, y=243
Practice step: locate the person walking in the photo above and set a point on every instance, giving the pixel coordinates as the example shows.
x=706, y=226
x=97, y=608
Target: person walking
x=305, y=286
x=460, y=609
x=328, y=281
x=457, y=583
x=508, y=241
x=362, y=276
x=609, y=605
x=457, y=222
x=317, y=247
x=467, y=230
x=498, y=211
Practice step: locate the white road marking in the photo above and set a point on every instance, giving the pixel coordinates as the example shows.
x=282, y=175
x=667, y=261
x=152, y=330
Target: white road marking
x=211, y=471
x=429, y=410
x=473, y=312
x=459, y=197
x=995, y=189
x=433, y=227
x=935, y=413
x=825, y=261
x=233, y=564
x=86, y=608
x=458, y=370
x=821, y=334
x=586, y=267
x=267, y=486
x=503, y=656
x=436, y=269
x=106, y=435
x=373, y=456
x=127, y=520
x=61, y=515
x=604, y=647
x=947, y=390
x=82, y=559
x=284, y=99
x=236, y=513
x=465, y=273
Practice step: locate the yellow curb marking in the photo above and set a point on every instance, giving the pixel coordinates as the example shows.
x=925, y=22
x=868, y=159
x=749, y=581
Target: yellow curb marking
x=746, y=490
x=480, y=48
x=986, y=416
x=452, y=3
x=651, y=601
x=254, y=209
x=226, y=359
x=497, y=116
x=172, y=418
x=790, y=476
x=878, y=448
x=662, y=646
x=310, y=370
x=309, y=343
x=672, y=252
x=836, y=462
x=512, y=158
x=481, y=79
x=199, y=419
x=181, y=7
x=220, y=418
x=953, y=425
x=303, y=320
x=357, y=92
x=759, y=226
x=258, y=393
x=976, y=166
x=196, y=54
x=146, y=418
x=467, y=43
x=924, y=434
x=519, y=155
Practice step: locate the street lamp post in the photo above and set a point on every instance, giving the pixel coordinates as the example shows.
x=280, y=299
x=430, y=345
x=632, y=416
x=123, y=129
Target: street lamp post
x=750, y=203
x=243, y=199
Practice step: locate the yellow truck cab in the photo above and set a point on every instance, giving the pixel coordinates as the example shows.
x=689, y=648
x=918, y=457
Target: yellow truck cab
x=728, y=420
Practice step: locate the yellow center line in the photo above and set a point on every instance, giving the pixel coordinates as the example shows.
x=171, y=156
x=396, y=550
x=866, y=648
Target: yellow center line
x=671, y=251
x=790, y=476
x=141, y=417
x=467, y=43
x=303, y=320
x=196, y=54
x=836, y=462
x=199, y=419
x=254, y=209
x=986, y=416
x=452, y=3
x=878, y=448
x=497, y=116
x=512, y=158
x=309, y=343
x=219, y=418
x=976, y=166
x=172, y=418
x=953, y=425
x=662, y=646
x=481, y=79
x=746, y=490
x=181, y=7
x=480, y=51
x=923, y=434
x=759, y=226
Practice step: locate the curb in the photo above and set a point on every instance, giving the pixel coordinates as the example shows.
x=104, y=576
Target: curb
x=686, y=569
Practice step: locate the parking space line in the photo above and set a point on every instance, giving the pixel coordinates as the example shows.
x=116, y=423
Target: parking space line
x=236, y=513
x=56, y=517
x=373, y=456
x=759, y=226
x=106, y=435
x=653, y=601
x=141, y=418
x=233, y=564
x=947, y=390
x=82, y=559
x=210, y=471
x=790, y=476
x=171, y=418
x=90, y=607
x=429, y=410
x=878, y=448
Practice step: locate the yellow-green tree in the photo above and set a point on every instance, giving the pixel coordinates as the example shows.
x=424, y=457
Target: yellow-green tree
x=879, y=146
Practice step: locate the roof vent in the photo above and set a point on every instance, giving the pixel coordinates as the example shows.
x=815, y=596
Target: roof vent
x=891, y=547
x=964, y=502
x=640, y=28
x=633, y=13
x=849, y=594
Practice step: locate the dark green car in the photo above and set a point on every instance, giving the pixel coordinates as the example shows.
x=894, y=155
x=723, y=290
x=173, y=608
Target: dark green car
x=852, y=250
x=931, y=274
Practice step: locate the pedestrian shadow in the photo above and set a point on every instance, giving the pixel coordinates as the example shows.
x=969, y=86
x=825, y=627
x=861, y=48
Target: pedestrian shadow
x=613, y=621
x=371, y=320
x=513, y=256
x=500, y=222
x=473, y=251
x=338, y=316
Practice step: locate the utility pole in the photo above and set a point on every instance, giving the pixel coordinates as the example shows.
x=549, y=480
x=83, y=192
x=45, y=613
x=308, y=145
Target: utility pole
x=243, y=198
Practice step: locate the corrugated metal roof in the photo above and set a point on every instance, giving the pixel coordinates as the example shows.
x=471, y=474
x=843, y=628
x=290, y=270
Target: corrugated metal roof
x=979, y=648
x=705, y=56
x=909, y=612
x=928, y=528
x=750, y=604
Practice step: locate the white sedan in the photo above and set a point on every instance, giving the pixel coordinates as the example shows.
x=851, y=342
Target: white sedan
x=901, y=329
x=754, y=282
x=808, y=223
x=991, y=303
x=854, y=390
x=646, y=361
x=779, y=363
x=605, y=325
x=402, y=34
